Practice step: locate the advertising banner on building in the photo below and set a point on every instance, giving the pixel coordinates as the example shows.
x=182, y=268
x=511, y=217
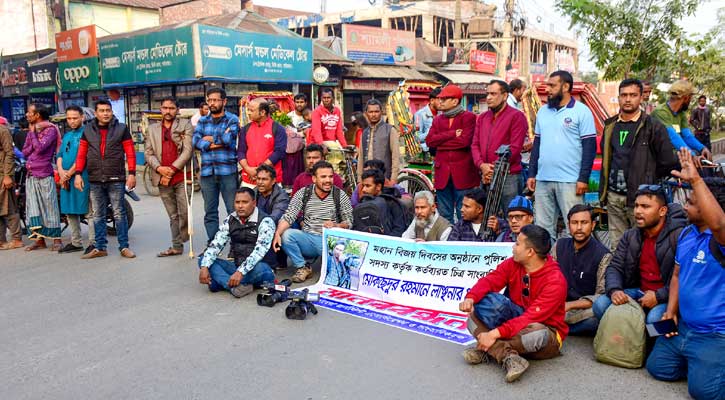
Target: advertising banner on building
x=256, y=57
x=14, y=74
x=76, y=44
x=42, y=78
x=415, y=286
x=538, y=72
x=373, y=45
x=79, y=75
x=483, y=61
x=165, y=56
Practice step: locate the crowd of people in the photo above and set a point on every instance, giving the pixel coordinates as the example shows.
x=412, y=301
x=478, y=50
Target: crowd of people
x=667, y=258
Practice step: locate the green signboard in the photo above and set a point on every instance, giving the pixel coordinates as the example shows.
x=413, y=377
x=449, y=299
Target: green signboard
x=165, y=56
x=79, y=75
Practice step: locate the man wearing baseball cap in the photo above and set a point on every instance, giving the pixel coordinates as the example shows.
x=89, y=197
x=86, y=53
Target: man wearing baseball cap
x=520, y=213
x=673, y=115
x=450, y=136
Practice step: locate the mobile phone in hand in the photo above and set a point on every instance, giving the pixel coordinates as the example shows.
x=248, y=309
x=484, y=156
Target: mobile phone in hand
x=660, y=328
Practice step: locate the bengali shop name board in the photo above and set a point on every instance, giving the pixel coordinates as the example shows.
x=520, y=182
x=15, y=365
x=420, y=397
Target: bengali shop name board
x=76, y=44
x=373, y=45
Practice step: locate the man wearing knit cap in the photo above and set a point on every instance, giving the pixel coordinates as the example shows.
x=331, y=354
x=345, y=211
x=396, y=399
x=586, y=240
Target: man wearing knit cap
x=520, y=213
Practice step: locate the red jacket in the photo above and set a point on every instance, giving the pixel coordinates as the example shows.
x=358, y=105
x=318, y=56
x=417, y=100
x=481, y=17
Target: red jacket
x=453, y=152
x=545, y=303
x=326, y=126
x=508, y=127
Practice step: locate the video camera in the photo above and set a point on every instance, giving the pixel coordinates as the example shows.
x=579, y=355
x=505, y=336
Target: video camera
x=276, y=293
x=301, y=303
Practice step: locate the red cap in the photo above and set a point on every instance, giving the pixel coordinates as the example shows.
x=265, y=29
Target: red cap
x=451, y=91
x=3, y=121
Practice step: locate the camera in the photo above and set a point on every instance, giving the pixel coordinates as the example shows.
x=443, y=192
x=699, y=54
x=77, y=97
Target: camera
x=301, y=303
x=275, y=293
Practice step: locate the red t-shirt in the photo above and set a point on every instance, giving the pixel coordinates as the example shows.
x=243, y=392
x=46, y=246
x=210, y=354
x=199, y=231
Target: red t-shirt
x=260, y=146
x=169, y=154
x=649, y=267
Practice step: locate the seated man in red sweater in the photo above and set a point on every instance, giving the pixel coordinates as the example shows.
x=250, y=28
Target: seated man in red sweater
x=530, y=321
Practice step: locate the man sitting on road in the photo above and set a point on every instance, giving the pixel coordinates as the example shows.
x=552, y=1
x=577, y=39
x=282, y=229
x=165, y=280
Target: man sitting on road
x=530, y=321
x=250, y=231
x=428, y=225
x=520, y=213
x=322, y=206
x=642, y=265
x=392, y=213
x=583, y=260
x=470, y=228
x=313, y=154
x=270, y=196
x=397, y=191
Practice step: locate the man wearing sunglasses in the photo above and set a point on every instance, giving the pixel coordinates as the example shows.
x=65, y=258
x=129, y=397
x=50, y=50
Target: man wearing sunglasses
x=530, y=321
x=642, y=265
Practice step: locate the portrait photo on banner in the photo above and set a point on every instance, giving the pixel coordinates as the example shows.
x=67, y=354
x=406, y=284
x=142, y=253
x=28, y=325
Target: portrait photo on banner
x=344, y=258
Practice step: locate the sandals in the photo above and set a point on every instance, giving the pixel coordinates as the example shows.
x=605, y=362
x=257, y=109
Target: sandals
x=11, y=245
x=170, y=252
x=36, y=246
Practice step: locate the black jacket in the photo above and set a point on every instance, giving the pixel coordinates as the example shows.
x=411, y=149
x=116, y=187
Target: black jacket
x=112, y=166
x=623, y=272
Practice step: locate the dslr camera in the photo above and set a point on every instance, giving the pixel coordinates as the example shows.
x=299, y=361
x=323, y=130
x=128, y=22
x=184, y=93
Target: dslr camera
x=301, y=303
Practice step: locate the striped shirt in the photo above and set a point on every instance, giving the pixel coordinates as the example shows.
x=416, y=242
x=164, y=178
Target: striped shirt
x=221, y=161
x=318, y=210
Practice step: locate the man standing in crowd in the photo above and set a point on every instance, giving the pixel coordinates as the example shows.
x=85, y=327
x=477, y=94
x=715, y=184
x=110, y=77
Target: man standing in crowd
x=216, y=137
x=673, y=115
x=326, y=121
x=322, y=206
x=700, y=118
x=168, y=152
x=41, y=207
x=470, y=228
x=636, y=150
x=501, y=125
x=296, y=114
x=294, y=162
x=450, y=136
x=642, y=264
x=424, y=117
x=520, y=213
x=380, y=141
x=313, y=154
x=565, y=144
x=73, y=202
x=202, y=112
x=103, y=145
x=250, y=232
x=583, y=260
x=261, y=141
x=697, y=298
x=517, y=87
x=9, y=217
x=647, y=106
x=530, y=321
x=428, y=225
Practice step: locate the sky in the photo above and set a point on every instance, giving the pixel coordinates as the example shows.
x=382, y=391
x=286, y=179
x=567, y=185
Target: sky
x=704, y=19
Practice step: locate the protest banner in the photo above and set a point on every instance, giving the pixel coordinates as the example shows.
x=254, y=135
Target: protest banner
x=415, y=286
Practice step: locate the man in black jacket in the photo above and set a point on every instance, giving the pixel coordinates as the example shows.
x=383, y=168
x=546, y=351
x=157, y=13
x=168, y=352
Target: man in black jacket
x=642, y=265
x=393, y=215
x=635, y=150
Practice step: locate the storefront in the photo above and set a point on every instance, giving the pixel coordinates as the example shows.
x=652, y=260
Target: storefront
x=14, y=78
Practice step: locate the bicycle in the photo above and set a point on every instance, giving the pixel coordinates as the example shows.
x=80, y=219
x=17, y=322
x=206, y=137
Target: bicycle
x=344, y=162
x=416, y=177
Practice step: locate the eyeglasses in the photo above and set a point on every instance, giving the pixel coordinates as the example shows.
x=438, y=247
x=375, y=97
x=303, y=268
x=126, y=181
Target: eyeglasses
x=526, y=279
x=517, y=217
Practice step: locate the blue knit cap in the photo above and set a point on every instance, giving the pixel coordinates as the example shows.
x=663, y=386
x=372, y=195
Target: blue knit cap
x=521, y=203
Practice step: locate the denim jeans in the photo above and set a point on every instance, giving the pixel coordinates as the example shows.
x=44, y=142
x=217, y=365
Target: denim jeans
x=653, y=315
x=211, y=188
x=221, y=270
x=103, y=194
x=300, y=246
x=587, y=327
x=450, y=201
x=695, y=356
x=495, y=309
x=551, y=200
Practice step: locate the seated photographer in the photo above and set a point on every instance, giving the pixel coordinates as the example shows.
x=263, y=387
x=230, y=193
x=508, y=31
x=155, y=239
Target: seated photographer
x=530, y=321
x=428, y=225
x=583, y=260
x=250, y=231
x=642, y=264
x=520, y=213
x=381, y=207
x=392, y=188
x=697, y=295
x=470, y=227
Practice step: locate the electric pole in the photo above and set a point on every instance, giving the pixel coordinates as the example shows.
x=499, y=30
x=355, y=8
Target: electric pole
x=506, y=43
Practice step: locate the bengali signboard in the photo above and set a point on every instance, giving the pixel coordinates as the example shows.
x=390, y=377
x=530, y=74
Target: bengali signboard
x=538, y=72
x=42, y=78
x=483, y=61
x=415, y=286
x=247, y=56
x=373, y=45
x=164, y=56
x=76, y=44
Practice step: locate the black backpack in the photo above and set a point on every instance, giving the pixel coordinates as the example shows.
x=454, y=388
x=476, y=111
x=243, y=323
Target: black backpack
x=369, y=214
x=401, y=216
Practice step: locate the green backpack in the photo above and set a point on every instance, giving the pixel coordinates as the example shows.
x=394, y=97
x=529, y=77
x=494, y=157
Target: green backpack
x=621, y=339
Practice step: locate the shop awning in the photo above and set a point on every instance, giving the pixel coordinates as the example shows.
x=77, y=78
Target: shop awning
x=386, y=72
x=463, y=77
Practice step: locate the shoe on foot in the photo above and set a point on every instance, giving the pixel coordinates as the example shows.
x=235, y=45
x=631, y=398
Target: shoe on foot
x=95, y=253
x=515, y=366
x=302, y=274
x=70, y=248
x=89, y=249
x=475, y=356
x=241, y=290
x=127, y=253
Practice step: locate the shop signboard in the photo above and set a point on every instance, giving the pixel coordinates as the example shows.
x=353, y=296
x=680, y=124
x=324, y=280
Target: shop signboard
x=257, y=57
x=370, y=85
x=538, y=72
x=79, y=75
x=42, y=78
x=76, y=44
x=14, y=74
x=164, y=56
x=482, y=61
x=373, y=45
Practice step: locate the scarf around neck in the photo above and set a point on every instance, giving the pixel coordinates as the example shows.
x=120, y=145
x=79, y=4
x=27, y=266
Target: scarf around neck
x=454, y=111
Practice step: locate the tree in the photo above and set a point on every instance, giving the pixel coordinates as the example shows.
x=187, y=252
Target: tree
x=629, y=37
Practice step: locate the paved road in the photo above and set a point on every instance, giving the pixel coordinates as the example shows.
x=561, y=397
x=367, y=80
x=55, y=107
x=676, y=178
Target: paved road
x=144, y=329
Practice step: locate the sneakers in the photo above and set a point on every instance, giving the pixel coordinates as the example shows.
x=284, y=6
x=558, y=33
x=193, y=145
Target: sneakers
x=241, y=290
x=95, y=253
x=474, y=356
x=70, y=248
x=302, y=274
x=515, y=366
x=127, y=253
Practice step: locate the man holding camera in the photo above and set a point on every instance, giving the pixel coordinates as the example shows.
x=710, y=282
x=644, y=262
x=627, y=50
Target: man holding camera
x=250, y=231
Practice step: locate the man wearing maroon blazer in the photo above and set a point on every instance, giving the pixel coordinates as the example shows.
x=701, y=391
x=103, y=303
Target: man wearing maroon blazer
x=450, y=136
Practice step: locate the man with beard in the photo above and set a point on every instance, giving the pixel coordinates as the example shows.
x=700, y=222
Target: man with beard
x=642, y=265
x=393, y=215
x=470, y=228
x=673, y=115
x=168, y=152
x=565, y=143
x=583, y=260
x=313, y=154
x=326, y=121
x=424, y=117
x=428, y=225
x=322, y=205
x=261, y=141
x=520, y=213
x=380, y=141
x=635, y=150
x=501, y=125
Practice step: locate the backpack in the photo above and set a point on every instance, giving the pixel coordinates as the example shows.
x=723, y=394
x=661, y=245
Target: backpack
x=620, y=339
x=400, y=214
x=368, y=216
x=335, y=197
